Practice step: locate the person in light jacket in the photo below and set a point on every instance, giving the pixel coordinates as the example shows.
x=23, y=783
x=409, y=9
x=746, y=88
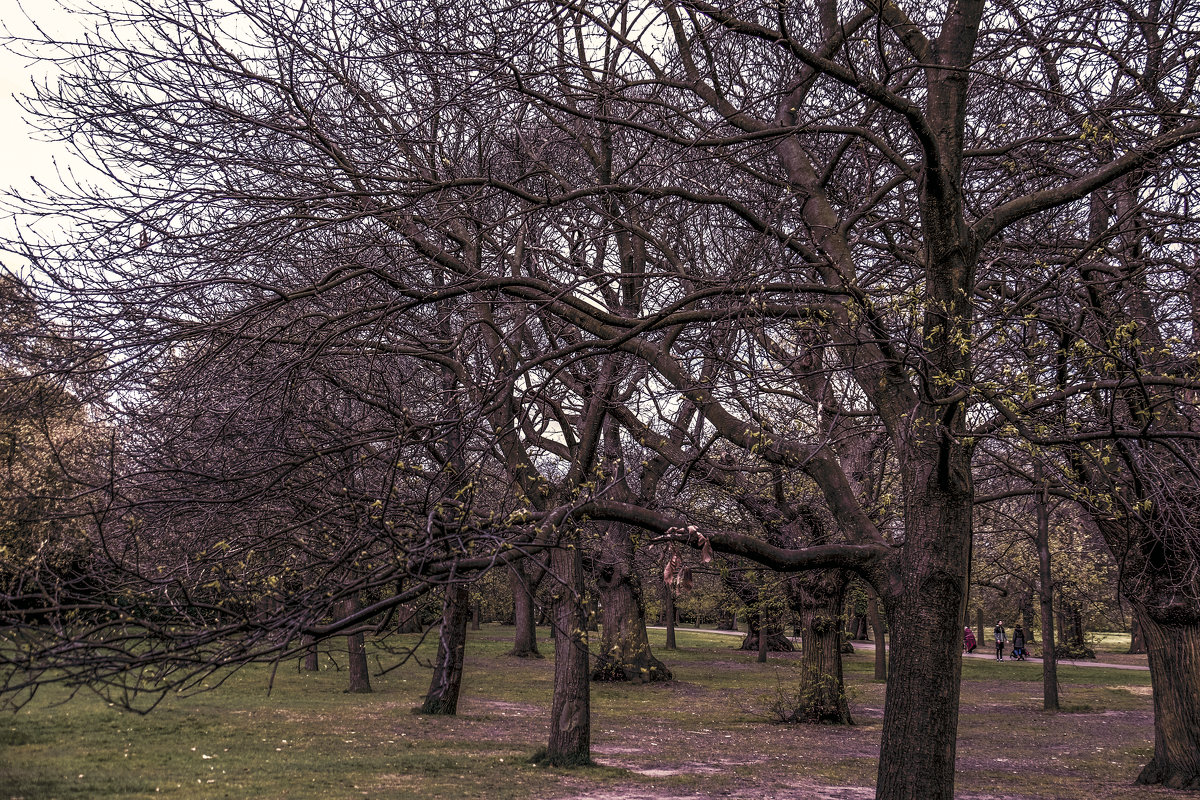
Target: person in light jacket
x=1001, y=639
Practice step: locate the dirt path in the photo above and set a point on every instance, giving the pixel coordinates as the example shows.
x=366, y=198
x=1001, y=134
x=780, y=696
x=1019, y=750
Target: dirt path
x=979, y=654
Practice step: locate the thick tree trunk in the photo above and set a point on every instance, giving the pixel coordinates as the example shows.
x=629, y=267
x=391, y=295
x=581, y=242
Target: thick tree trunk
x=1137, y=641
x=360, y=678
x=442, y=697
x=570, y=710
x=625, y=648
x=776, y=641
x=877, y=634
x=1173, y=650
x=817, y=599
x=920, y=718
x=410, y=620
x=525, y=637
x=924, y=599
x=476, y=613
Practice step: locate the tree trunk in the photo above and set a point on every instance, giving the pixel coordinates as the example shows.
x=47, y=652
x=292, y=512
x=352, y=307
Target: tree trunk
x=1026, y=612
x=410, y=620
x=858, y=627
x=920, y=718
x=1137, y=642
x=442, y=697
x=476, y=613
x=776, y=641
x=1159, y=581
x=924, y=597
x=1173, y=650
x=669, y=615
x=624, y=647
x=1074, y=639
x=360, y=678
x=1046, y=597
x=311, y=660
x=591, y=613
x=817, y=599
x=877, y=633
x=570, y=710
x=525, y=637
x=1075, y=616
x=980, y=631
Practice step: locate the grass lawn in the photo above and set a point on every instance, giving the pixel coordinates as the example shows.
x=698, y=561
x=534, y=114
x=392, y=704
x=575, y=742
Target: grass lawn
x=704, y=734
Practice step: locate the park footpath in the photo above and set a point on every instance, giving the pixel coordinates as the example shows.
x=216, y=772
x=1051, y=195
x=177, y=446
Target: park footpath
x=980, y=653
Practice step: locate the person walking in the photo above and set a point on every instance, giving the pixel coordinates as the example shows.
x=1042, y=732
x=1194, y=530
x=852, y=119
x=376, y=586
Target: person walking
x=1018, y=648
x=969, y=642
x=1001, y=639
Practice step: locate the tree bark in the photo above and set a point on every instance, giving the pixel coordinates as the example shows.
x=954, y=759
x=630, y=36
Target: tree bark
x=570, y=710
x=410, y=620
x=669, y=615
x=360, y=678
x=817, y=599
x=444, y=686
x=1074, y=639
x=525, y=636
x=776, y=641
x=924, y=596
x=857, y=630
x=749, y=593
x=920, y=719
x=1173, y=650
x=1046, y=598
x=311, y=660
x=1137, y=641
x=624, y=647
x=881, y=671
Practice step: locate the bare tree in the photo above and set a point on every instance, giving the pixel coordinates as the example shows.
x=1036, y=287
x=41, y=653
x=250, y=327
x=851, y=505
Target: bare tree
x=777, y=233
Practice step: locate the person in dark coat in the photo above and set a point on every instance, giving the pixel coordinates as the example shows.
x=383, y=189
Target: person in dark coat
x=969, y=640
x=1018, y=648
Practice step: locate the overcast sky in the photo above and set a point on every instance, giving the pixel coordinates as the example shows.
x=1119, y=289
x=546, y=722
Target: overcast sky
x=24, y=154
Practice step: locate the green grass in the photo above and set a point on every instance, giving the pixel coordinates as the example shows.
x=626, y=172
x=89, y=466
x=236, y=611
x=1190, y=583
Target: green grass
x=1109, y=641
x=702, y=733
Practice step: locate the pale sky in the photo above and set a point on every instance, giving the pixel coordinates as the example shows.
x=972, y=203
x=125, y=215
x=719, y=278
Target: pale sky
x=24, y=154
x=21, y=154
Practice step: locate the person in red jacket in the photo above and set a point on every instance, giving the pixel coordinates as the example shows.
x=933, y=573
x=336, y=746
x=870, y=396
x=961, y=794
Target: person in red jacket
x=969, y=640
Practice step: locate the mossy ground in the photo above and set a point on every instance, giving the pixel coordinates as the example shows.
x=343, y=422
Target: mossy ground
x=704, y=734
